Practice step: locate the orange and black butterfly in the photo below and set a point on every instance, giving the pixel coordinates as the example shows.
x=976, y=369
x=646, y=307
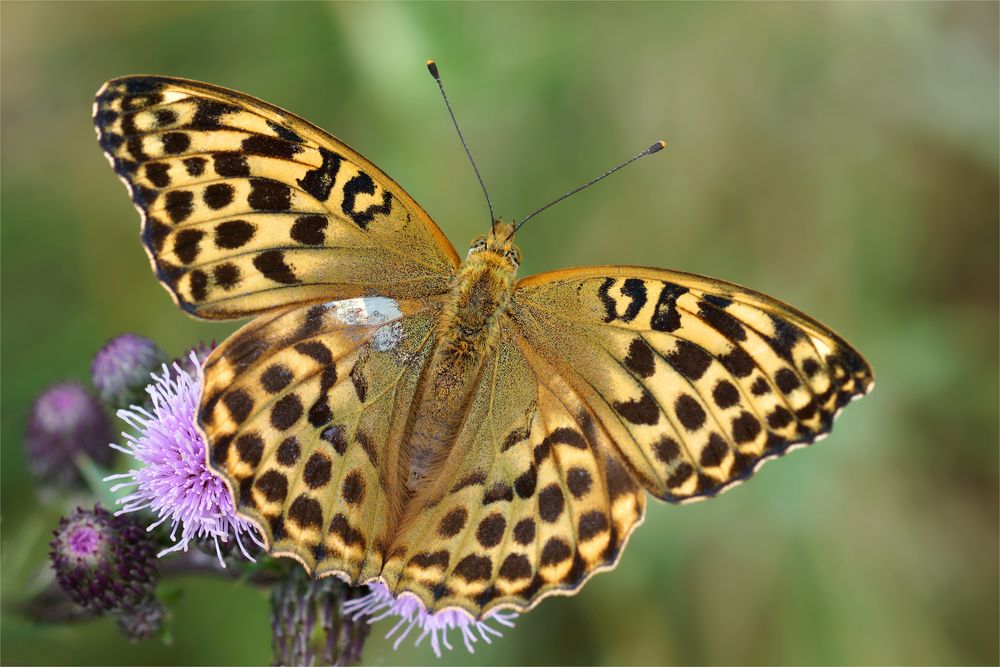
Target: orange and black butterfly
x=396, y=414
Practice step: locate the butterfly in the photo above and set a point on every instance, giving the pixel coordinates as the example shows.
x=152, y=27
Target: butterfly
x=395, y=414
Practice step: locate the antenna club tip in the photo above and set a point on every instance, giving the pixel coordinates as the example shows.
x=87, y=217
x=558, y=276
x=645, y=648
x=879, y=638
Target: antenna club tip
x=433, y=69
x=658, y=146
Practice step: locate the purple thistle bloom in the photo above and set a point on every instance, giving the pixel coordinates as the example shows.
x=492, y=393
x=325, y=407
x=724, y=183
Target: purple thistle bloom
x=120, y=370
x=175, y=482
x=379, y=603
x=103, y=562
x=65, y=421
x=194, y=358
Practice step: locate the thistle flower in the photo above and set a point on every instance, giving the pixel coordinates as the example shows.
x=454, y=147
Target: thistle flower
x=103, y=562
x=120, y=370
x=380, y=603
x=65, y=421
x=142, y=621
x=174, y=481
x=194, y=358
x=309, y=625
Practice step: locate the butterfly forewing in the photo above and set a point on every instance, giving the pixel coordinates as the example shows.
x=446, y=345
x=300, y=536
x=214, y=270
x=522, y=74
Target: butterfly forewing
x=299, y=406
x=696, y=380
x=246, y=207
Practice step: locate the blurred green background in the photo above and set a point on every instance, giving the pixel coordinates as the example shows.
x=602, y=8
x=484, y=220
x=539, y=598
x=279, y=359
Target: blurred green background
x=842, y=157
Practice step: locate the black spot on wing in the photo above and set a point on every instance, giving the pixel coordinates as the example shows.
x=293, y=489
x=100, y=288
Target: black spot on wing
x=319, y=182
x=218, y=195
x=165, y=117
x=175, y=142
x=715, y=451
x=362, y=184
x=635, y=290
x=227, y=275
x=689, y=412
x=351, y=536
x=195, y=166
x=250, y=447
x=357, y=376
x=784, y=338
x=787, y=380
x=186, y=244
x=526, y=482
x=306, y=512
x=209, y=113
x=746, y=428
x=155, y=233
x=180, y=205
x=720, y=320
x=665, y=316
x=514, y=437
x=273, y=485
x=289, y=451
x=308, y=229
x=317, y=471
x=524, y=531
x=230, y=164
x=453, y=522
x=284, y=132
x=472, y=479
x=738, y=362
x=499, y=492
x=640, y=358
x=158, y=173
x=276, y=378
x=725, y=394
x=267, y=195
x=474, y=568
x=610, y=311
x=642, y=410
x=579, y=481
x=272, y=264
x=233, y=234
x=261, y=144
x=551, y=503
x=689, y=360
x=286, y=412
x=199, y=285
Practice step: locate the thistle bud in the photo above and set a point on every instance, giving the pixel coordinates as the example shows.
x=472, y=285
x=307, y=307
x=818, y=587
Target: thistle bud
x=121, y=369
x=104, y=562
x=142, y=621
x=65, y=421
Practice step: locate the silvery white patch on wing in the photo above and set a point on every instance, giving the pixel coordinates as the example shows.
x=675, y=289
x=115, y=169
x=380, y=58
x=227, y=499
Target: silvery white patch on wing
x=365, y=311
x=387, y=336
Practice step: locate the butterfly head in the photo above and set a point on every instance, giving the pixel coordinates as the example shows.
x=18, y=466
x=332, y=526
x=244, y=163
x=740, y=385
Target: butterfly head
x=498, y=242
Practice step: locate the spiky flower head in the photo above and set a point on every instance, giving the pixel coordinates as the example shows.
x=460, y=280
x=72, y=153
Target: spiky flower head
x=142, y=621
x=65, y=422
x=120, y=370
x=103, y=562
x=174, y=481
x=411, y=615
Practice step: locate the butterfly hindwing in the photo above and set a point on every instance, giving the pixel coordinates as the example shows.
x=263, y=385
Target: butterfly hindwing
x=299, y=406
x=246, y=207
x=536, y=498
x=698, y=381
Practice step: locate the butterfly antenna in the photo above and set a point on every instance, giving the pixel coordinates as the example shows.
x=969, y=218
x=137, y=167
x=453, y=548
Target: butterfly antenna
x=658, y=146
x=433, y=69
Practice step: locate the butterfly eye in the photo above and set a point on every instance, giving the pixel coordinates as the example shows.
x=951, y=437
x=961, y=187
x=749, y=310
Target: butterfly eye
x=513, y=256
x=478, y=245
